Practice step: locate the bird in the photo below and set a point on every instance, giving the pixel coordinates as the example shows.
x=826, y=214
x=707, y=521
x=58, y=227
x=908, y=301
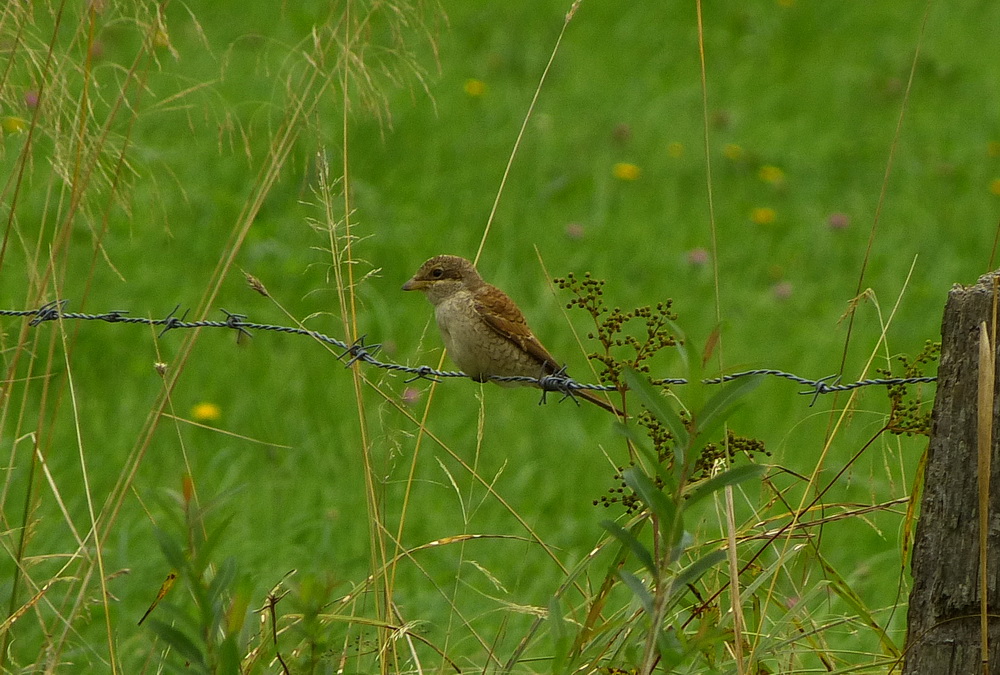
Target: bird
x=484, y=331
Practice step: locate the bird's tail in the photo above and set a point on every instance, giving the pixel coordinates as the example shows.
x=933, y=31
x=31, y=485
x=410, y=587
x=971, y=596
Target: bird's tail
x=597, y=400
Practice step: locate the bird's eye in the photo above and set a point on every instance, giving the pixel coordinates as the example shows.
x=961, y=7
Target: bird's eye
x=437, y=273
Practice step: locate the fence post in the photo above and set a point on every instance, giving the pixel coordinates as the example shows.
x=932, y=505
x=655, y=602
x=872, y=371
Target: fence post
x=943, y=623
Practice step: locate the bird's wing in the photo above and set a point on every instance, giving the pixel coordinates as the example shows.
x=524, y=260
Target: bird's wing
x=502, y=315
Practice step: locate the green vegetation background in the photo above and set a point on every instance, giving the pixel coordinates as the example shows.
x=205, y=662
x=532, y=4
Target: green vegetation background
x=803, y=103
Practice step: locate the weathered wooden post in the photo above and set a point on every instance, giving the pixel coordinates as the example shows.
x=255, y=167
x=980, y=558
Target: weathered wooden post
x=944, y=629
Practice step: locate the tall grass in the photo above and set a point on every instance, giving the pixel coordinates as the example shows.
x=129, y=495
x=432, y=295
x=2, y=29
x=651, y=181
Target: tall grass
x=184, y=502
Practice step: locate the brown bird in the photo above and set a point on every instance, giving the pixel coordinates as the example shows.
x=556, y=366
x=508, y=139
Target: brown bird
x=485, y=332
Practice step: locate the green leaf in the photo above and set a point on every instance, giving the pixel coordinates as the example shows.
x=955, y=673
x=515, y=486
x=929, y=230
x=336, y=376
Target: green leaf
x=639, y=589
x=737, y=474
x=693, y=572
x=178, y=641
x=560, y=635
x=207, y=548
x=652, y=398
x=229, y=657
x=236, y=614
x=721, y=406
x=172, y=551
x=670, y=648
x=223, y=579
x=684, y=349
x=641, y=443
x=670, y=521
x=690, y=358
x=638, y=550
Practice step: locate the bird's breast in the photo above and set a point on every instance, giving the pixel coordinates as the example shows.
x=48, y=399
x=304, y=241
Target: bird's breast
x=478, y=350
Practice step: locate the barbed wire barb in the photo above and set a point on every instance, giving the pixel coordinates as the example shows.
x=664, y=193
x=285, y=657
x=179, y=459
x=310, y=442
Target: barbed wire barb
x=559, y=381
x=235, y=321
x=423, y=373
x=361, y=352
x=50, y=311
x=821, y=387
x=172, y=322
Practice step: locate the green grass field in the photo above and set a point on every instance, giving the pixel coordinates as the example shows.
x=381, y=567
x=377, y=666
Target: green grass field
x=149, y=160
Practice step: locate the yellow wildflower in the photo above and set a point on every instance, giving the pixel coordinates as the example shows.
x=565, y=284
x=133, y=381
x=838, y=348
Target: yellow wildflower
x=763, y=215
x=733, y=152
x=206, y=412
x=474, y=88
x=626, y=171
x=13, y=125
x=771, y=174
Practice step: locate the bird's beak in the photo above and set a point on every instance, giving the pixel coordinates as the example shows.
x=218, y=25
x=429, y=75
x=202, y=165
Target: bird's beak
x=414, y=284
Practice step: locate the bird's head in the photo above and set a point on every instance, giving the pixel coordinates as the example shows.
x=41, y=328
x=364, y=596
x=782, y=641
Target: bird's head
x=442, y=276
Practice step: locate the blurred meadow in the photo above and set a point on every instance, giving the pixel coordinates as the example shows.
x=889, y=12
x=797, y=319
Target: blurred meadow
x=813, y=202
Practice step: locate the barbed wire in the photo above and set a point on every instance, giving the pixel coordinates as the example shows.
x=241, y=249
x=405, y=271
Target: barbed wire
x=558, y=382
